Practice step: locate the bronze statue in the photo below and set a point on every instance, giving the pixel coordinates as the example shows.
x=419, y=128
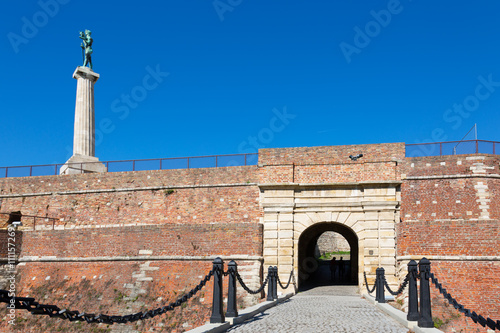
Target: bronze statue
x=86, y=47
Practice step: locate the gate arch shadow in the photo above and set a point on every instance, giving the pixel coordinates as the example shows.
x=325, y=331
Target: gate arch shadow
x=313, y=272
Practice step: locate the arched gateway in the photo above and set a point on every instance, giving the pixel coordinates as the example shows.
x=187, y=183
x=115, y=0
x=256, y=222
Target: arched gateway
x=307, y=191
x=309, y=267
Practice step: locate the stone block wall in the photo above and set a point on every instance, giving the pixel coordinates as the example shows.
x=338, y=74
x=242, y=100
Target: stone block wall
x=302, y=188
x=331, y=241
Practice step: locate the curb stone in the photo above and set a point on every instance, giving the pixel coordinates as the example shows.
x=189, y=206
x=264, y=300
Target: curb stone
x=242, y=316
x=399, y=316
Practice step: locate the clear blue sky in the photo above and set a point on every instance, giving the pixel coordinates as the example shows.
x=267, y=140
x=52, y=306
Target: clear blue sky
x=336, y=72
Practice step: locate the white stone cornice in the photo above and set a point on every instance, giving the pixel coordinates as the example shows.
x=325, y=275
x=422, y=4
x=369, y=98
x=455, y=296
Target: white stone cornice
x=383, y=183
x=82, y=72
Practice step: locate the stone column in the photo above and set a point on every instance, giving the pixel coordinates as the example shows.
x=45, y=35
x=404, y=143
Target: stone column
x=83, y=159
x=84, y=136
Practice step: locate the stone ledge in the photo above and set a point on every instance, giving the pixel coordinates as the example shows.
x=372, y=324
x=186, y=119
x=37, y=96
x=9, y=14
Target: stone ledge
x=211, y=328
x=103, y=226
x=450, y=258
x=136, y=258
x=299, y=185
x=126, y=189
x=452, y=176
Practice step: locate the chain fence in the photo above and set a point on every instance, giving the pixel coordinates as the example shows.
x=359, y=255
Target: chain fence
x=401, y=288
x=289, y=280
x=366, y=284
x=492, y=324
x=53, y=311
x=425, y=307
x=250, y=291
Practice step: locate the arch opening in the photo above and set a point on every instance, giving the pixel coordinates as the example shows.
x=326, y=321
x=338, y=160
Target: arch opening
x=317, y=246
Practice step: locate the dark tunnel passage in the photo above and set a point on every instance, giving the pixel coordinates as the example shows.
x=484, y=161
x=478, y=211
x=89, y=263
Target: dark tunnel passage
x=315, y=270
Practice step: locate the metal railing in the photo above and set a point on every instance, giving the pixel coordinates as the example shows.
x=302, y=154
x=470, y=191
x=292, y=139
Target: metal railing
x=210, y=161
x=215, y=161
x=452, y=148
x=28, y=220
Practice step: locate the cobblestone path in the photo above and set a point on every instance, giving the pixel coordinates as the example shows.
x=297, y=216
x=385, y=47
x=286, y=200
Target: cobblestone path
x=322, y=309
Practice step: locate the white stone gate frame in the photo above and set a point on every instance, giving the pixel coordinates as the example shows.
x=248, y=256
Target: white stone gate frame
x=370, y=210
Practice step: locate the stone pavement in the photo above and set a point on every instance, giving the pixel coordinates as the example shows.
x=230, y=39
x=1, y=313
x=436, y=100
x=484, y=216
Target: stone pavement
x=322, y=309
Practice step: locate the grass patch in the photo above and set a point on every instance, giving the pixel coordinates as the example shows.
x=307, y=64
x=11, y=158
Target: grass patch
x=330, y=255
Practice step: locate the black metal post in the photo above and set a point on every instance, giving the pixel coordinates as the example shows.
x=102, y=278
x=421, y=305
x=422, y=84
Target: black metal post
x=425, y=318
x=275, y=282
x=412, y=292
x=232, y=310
x=217, y=304
x=270, y=286
x=379, y=295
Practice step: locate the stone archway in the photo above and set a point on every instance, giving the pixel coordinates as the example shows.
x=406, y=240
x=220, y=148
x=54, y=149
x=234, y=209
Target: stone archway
x=366, y=213
x=306, y=247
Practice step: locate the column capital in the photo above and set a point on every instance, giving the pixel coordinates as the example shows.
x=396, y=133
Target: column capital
x=82, y=72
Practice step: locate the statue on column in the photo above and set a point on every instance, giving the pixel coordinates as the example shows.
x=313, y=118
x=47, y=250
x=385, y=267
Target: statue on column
x=86, y=47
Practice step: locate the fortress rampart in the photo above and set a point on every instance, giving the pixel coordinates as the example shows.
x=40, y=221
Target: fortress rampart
x=122, y=242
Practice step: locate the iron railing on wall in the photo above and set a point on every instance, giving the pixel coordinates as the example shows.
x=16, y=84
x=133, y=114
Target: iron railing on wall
x=211, y=161
x=452, y=148
x=34, y=222
x=214, y=161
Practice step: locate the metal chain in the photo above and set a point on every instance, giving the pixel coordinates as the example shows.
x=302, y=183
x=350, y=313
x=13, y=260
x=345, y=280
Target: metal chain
x=250, y=291
x=401, y=288
x=366, y=284
x=29, y=303
x=289, y=280
x=467, y=312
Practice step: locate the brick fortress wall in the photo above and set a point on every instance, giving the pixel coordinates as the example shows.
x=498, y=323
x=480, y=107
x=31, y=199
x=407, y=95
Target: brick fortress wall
x=450, y=214
x=330, y=164
x=127, y=242
x=122, y=239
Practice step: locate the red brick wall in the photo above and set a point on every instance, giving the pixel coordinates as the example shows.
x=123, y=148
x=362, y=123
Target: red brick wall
x=173, y=213
x=130, y=180
x=163, y=240
x=474, y=284
x=441, y=215
x=494, y=191
x=101, y=287
x=199, y=196
x=206, y=211
x=98, y=286
x=277, y=174
x=330, y=164
x=17, y=240
x=449, y=237
x=332, y=154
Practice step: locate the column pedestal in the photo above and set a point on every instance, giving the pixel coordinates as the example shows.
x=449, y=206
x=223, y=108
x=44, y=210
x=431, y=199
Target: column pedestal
x=83, y=159
x=82, y=164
